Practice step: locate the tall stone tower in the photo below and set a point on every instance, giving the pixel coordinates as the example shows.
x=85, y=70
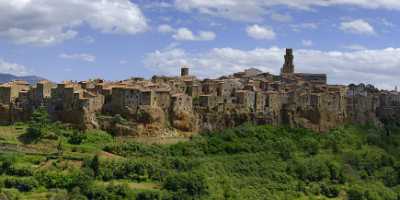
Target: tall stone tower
x=184, y=71
x=288, y=67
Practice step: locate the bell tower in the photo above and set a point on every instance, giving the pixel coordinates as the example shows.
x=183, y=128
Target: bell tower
x=184, y=71
x=288, y=67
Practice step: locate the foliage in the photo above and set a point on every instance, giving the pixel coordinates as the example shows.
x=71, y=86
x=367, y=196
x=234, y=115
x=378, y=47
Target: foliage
x=39, y=123
x=247, y=162
x=22, y=184
x=187, y=185
x=77, y=138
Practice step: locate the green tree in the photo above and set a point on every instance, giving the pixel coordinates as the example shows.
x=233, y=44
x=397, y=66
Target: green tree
x=60, y=148
x=95, y=165
x=39, y=123
x=187, y=184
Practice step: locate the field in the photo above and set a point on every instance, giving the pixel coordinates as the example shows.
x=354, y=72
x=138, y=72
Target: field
x=50, y=161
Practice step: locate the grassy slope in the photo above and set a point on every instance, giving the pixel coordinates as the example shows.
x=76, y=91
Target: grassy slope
x=249, y=162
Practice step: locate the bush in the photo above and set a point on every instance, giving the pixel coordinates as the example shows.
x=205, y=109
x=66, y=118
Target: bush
x=66, y=179
x=330, y=190
x=77, y=138
x=312, y=169
x=191, y=184
x=22, y=184
x=149, y=195
x=97, y=137
x=20, y=171
x=370, y=191
x=110, y=192
x=285, y=148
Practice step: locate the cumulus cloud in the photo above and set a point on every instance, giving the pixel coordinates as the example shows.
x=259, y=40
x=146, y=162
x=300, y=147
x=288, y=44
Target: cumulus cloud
x=79, y=56
x=45, y=22
x=254, y=10
x=260, y=32
x=379, y=67
x=12, y=68
x=358, y=26
x=185, y=34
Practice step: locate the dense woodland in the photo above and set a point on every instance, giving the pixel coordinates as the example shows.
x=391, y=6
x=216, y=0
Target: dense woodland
x=46, y=160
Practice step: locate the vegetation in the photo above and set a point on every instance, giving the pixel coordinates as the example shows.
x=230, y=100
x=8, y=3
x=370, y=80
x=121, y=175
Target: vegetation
x=248, y=162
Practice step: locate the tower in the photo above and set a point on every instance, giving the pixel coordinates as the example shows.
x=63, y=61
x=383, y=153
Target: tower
x=288, y=67
x=184, y=71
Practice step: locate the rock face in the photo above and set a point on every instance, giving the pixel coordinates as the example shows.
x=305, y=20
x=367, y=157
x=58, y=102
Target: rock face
x=363, y=103
x=167, y=106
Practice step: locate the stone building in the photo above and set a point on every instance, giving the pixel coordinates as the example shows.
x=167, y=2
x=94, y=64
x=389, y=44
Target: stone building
x=288, y=66
x=168, y=105
x=9, y=91
x=72, y=104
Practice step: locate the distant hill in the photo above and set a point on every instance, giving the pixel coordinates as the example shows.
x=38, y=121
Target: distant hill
x=9, y=77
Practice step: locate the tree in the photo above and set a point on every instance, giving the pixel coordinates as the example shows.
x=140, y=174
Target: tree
x=60, y=148
x=184, y=184
x=95, y=165
x=39, y=123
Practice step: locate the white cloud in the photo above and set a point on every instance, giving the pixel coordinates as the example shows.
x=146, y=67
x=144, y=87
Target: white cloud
x=254, y=10
x=303, y=26
x=355, y=47
x=281, y=17
x=379, y=67
x=81, y=56
x=45, y=22
x=387, y=23
x=307, y=43
x=206, y=35
x=185, y=34
x=165, y=28
x=358, y=26
x=40, y=37
x=260, y=32
x=12, y=68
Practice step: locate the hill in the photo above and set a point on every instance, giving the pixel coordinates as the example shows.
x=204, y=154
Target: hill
x=42, y=159
x=9, y=77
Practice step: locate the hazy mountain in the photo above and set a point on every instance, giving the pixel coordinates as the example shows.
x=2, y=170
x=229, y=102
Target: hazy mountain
x=9, y=77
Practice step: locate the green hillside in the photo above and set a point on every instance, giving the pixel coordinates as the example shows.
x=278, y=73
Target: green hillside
x=43, y=160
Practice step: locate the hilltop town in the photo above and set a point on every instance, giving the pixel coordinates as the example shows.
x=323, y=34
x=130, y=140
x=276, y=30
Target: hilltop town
x=185, y=104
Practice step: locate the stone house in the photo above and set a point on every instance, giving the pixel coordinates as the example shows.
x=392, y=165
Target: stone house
x=9, y=91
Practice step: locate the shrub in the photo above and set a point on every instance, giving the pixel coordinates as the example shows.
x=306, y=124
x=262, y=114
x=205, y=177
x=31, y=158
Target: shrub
x=330, y=190
x=97, y=136
x=22, y=184
x=66, y=179
x=110, y=192
x=149, y=195
x=77, y=138
x=191, y=184
x=16, y=170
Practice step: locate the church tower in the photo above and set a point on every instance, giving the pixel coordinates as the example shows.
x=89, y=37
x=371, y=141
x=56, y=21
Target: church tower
x=184, y=71
x=288, y=67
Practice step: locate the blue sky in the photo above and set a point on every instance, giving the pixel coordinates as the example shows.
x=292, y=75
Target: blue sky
x=351, y=40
